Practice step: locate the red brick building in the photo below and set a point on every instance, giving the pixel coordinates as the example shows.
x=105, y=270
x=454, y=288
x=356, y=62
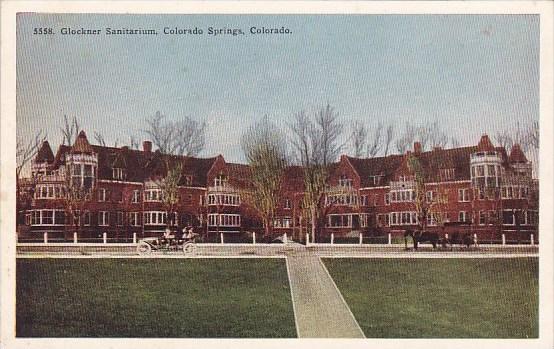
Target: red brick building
x=478, y=189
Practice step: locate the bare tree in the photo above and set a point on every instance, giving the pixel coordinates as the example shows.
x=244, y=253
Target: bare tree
x=437, y=137
x=133, y=142
x=184, y=137
x=376, y=142
x=358, y=136
x=70, y=130
x=316, y=144
x=99, y=138
x=389, y=136
x=533, y=135
x=406, y=139
x=265, y=149
x=26, y=151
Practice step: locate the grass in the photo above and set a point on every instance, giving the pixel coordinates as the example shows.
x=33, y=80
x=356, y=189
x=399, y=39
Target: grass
x=153, y=298
x=441, y=298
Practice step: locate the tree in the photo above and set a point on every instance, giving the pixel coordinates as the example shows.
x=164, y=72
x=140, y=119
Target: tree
x=376, y=143
x=421, y=205
x=26, y=151
x=183, y=137
x=406, y=139
x=358, y=135
x=316, y=144
x=389, y=136
x=70, y=130
x=265, y=149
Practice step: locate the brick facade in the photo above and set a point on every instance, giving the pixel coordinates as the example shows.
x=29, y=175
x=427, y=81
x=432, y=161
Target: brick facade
x=478, y=189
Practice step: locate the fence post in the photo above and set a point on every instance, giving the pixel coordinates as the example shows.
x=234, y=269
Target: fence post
x=254, y=238
x=221, y=237
x=475, y=239
x=75, y=237
x=105, y=237
x=307, y=238
x=45, y=237
x=361, y=238
x=446, y=236
x=285, y=238
x=532, y=239
x=503, y=239
x=134, y=238
x=332, y=238
x=390, y=239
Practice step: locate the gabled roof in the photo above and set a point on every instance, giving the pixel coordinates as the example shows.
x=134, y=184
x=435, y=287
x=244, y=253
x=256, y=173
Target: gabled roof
x=485, y=144
x=81, y=144
x=378, y=166
x=45, y=154
x=517, y=155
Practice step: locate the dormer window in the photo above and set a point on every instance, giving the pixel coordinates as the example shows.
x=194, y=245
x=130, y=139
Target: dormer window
x=119, y=174
x=220, y=181
x=345, y=181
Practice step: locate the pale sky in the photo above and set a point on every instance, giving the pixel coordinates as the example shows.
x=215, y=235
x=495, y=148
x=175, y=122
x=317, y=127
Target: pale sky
x=473, y=73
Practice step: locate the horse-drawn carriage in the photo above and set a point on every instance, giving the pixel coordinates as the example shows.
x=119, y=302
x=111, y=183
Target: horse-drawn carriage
x=167, y=244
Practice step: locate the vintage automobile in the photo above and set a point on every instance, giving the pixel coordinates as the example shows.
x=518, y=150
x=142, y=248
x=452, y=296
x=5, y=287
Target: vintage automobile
x=147, y=245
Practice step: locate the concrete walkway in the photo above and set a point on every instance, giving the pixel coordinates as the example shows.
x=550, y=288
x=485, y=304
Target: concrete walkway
x=320, y=311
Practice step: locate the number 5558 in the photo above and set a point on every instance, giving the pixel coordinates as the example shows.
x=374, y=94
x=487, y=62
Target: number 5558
x=43, y=31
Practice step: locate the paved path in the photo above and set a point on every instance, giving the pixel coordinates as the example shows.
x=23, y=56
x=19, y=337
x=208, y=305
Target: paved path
x=320, y=311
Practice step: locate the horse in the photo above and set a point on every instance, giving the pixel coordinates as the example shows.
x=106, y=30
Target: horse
x=422, y=236
x=462, y=239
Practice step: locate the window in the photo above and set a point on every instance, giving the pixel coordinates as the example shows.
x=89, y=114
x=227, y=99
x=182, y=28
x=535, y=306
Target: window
x=383, y=220
x=492, y=217
x=224, y=199
x=102, y=194
x=47, y=217
x=155, y=218
x=463, y=195
x=119, y=173
x=134, y=219
x=119, y=218
x=224, y=220
x=403, y=218
x=446, y=174
x=463, y=216
x=103, y=218
x=136, y=196
x=220, y=181
x=482, y=217
x=86, y=218
x=287, y=204
x=508, y=217
x=387, y=199
x=82, y=175
x=407, y=195
x=430, y=196
x=344, y=181
x=153, y=195
x=49, y=192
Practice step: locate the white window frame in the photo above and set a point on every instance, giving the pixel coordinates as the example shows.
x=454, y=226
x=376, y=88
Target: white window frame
x=105, y=221
x=102, y=195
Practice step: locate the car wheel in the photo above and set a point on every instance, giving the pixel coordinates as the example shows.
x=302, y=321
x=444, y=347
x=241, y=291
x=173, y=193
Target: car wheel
x=144, y=249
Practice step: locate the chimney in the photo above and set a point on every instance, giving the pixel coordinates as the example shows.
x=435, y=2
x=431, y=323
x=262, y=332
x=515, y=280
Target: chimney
x=417, y=148
x=147, y=146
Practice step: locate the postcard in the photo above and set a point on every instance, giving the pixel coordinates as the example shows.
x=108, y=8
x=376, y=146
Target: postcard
x=229, y=174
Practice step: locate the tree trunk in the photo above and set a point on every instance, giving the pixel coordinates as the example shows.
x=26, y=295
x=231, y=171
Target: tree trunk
x=314, y=223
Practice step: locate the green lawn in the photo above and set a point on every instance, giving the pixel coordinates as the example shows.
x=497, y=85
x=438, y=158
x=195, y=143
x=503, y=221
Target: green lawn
x=441, y=298
x=153, y=298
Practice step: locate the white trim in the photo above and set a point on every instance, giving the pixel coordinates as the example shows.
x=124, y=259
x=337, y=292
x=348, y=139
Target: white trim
x=118, y=182
x=292, y=299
